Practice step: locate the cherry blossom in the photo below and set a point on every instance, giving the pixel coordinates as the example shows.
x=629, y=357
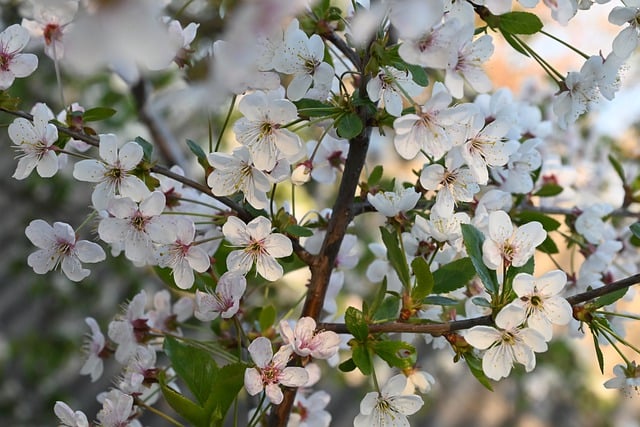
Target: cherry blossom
x=51, y=22
x=180, y=40
x=392, y=203
x=329, y=158
x=69, y=418
x=259, y=246
x=466, y=65
x=58, y=246
x=506, y=344
x=165, y=316
x=309, y=411
x=432, y=48
x=453, y=183
x=389, y=407
x=183, y=256
x=385, y=89
x=224, y=301
x=129, y=330
x=95, y=348
x=540, y=299
x=114, y=173
x=261, y=131
x=117, y=410
x=627, y=40
x=626, y=378
x=271, y=371
x=305, y=341
x=35, y=142
x=14, y=64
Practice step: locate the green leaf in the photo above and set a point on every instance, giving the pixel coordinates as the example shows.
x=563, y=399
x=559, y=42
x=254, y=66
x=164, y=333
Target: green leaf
x=596, y=345
x=635, y=229
x=396, y=256
x=419, y=74
x=378, y=298
x=475, y=366
x=439, y=300
x=228, y=383
x=356, y=324
x=375, y=176
x=194, y=366
x=453, y=276
x=514, y=43
x=549, y=190
x=298, y=231
x=548, y=223
x=197, y=150
x=362, y=358
x=548, y=246
x=312, y=108
x=267, y=317
x=424, y=279
x=610, y=298
x=618, y=168
x=388, y=310
x=481, y=302
x=347, y=366
x=349, y=125
x=473, y=239
x=97, y=114
x=187, y=409
x=398, y=354
x=519, y=23
x=147, y=147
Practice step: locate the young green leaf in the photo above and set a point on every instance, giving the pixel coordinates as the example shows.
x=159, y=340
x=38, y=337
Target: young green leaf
x=388, y=310
x=97, y=114
x=548, y=223
x=398, y=354
x=375, y=176
x=362, y=358
x=475, y=366
x=349, y=125
x=298, y=231
x=519, y=23
x=610, y=298
x=190, y=411
x=147, y=148
x=635, y=229
x=424, y=279
x=618, y=168
x=453, y=276
x=396, y=256
x=549, y=190
x=473, y=239
x=356, y=324
x=267, y=317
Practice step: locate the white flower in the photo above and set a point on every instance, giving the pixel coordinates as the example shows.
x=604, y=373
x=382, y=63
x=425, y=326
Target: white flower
x=627, y=378
x=117, y=409
x=330, y=155
x=466, y=64
x=579, y=92
x=453, y=184
x=391, y=203
x=69, y=418
x=114, y=174
x=303, y=56
x=305, y=341
x=35, y=141
x=412, y=17
x=261, y=131
x=590, y=224
x=13, y=63
x=166, y=316
x=180, y=40
x=259, y=246
x=183, y=256
x=443, y=228
x=627, y=40
x=389, y=407
x=381, y=268
x=127, y=330
x=427, y=129
x=308, y=411
x=540, y=299
x=58, y=246
x=95, y=348
x=509, y=246
x=224, y=301
x=434, y=46
x=507, y=344
x=271, y=371
x=385, y=89
x=137, y=226
x=235, y=172
x=516, y=178
x=51, y=22
x=417, y=379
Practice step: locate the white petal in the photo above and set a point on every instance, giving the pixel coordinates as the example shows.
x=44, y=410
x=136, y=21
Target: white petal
x=482, y=337
x=261, y=351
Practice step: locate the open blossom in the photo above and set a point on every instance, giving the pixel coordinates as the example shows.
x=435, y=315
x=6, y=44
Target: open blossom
x=95, y=349
x=127, y=330
x=540, y=299
x=117, y=409
x=453, y=182
x=385, y=89
x=506, y=344
x=465, y=64
x=261, y=131
x=13, y=63
x=58, y=246
x=34, y=142
x=389, y=407
x=271, y=371
x=259, y=246
x=114, y=173
x=329, y=158
x=627, y=40
x=309, y=411
x=224, y=301
x=51, y=22
x=626, y=378
x=392, y=203
x=182, y=255
x=69, y=418
x=305, y=341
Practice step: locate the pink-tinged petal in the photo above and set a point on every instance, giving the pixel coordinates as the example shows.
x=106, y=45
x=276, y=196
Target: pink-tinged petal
x=137, y=247
x=14, y=38
x=293, y=376
x=102, y=196
x=123, y=207
x=286, y=332
x=282, y=111
x=109, y=148
x=21, y=131
x=235, y=231
x=454, y=83
x=183, y=275
x=497, y=362
x=24, y=64
x=274, y=393
x=482, y=337
x=40, y=233
x=621, y=15
x=278, y=245
x=259, y=228
x=161, y=229
x=392, y=102
x=239, y=261
x=261, y=351
x=268, y=268
x=43, y=260
x=253, y=381
x=539, y=322
x=48, y=165
x=207, y=307
x=72, y=268
x=89, y=251
x=288, y=142
x=89, y=170
x=253, y=106
x=282, y=356
x=130, y=155
x=63, y=231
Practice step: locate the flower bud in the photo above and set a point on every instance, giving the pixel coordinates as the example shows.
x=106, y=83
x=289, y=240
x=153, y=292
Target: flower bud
x=302, y=173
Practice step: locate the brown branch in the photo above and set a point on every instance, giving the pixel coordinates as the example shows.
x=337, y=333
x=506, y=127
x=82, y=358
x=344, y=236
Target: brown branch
x=437, y=329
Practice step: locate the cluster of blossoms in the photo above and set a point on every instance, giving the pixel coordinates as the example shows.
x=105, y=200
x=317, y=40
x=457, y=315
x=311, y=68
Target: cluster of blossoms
x=472, y=206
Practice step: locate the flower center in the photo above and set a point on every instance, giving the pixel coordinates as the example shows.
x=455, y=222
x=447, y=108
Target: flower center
x=52, y=32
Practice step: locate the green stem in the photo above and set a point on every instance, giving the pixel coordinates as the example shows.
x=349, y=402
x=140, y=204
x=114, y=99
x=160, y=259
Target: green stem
x=573, y=48
x=224, y=125
x=256, y=415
